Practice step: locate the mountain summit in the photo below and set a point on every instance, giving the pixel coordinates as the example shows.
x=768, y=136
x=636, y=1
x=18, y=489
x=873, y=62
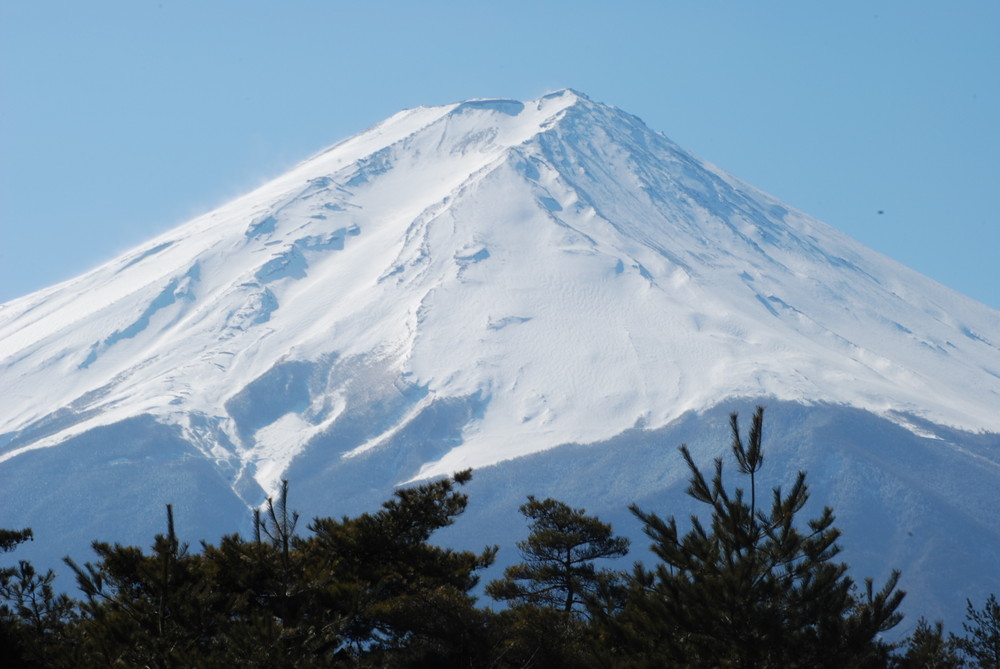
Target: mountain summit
x=467, y=285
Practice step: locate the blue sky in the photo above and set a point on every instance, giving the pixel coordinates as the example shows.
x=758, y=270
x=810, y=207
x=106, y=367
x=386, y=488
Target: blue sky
x=120, y=119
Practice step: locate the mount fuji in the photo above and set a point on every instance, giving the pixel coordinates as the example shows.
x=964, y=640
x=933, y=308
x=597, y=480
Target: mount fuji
x=546, y=291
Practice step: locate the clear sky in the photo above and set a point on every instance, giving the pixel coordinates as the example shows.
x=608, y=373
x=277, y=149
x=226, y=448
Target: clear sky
x=122, y=118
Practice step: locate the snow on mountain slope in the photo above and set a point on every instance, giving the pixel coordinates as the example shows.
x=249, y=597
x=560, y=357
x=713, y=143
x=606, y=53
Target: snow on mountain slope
x=577, y=271
x=462, y=286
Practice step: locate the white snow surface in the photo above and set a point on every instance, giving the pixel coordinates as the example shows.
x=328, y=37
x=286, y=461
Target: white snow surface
x=576, y=272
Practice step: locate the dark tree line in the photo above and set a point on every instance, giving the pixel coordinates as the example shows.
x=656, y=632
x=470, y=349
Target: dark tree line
x=748, y=584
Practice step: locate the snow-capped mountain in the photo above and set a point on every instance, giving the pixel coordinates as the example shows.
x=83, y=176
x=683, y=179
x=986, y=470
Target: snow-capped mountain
x=548, y=288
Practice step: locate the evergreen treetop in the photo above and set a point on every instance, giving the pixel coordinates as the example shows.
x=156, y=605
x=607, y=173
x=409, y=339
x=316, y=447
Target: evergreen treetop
x=750, y=588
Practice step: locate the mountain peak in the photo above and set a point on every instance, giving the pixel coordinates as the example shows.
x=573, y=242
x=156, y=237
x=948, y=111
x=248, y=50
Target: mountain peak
x=471, y=285
x=567, y=91
x=454, y=248
x=561, y=96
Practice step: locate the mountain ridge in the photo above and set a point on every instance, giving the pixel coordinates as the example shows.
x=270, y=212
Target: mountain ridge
x=548, y=141
x=471, y=285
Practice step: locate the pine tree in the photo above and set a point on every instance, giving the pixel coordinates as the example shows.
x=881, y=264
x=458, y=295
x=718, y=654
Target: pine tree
x=981, y=645
x=144, y=609
x=406, y=602
x=364, y=591
x=558, y=569
x=928, y=648
x=273, y=606
x=11, y=539
x=750, y=589
x=554, y=587
x=34, y=618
